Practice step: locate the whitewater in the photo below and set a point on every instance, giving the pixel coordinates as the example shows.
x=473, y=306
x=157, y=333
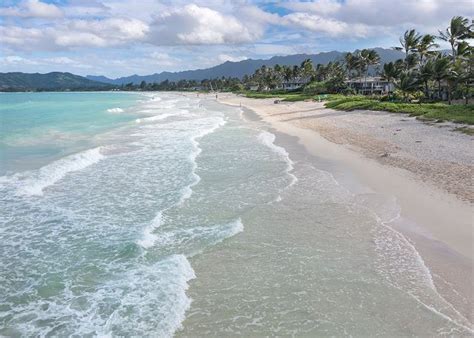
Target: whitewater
x=170, y=214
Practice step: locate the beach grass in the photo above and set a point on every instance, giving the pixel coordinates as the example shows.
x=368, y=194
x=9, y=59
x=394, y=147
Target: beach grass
x=293, y=96
x=466, y=130
x=459, y=113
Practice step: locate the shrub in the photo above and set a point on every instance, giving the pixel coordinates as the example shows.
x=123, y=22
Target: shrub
x=316, y=88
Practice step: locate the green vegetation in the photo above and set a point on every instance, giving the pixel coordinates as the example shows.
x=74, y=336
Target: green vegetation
x=423, y=77
x=466, y=130
x=16, y=81
x=426, y=111
x=292, y=96
x=282, y=95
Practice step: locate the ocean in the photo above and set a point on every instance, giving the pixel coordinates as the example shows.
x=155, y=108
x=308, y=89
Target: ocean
x=161, y=214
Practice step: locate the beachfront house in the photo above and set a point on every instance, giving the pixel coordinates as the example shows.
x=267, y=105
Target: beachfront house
x=295, y=83
x=253, y=87
x=370, y=85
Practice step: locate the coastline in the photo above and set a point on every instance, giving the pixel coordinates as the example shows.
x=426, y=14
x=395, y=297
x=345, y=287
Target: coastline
x=426, y=208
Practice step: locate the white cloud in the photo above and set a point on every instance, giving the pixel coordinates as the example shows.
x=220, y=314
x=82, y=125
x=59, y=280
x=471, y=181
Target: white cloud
x=273, y=49
x=75, y=33
x=386, y=12
x=58, y=61
x=85, y=8
x=162, y=59
x=194, y=25
x=320, y=7
x=226, y=57
x=327, y=26
x=17, y=60
x=33, y=9
x=26, y=38
x=102, y=33
x=95, y=34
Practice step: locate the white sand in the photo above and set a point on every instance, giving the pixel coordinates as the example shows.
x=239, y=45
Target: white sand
x=427, y=168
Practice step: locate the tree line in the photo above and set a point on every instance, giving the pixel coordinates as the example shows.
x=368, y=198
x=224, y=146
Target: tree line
x=218, y=84
x=424, y=72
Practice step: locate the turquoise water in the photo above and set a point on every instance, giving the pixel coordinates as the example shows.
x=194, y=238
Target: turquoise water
x=39, y=127
x=158, y=214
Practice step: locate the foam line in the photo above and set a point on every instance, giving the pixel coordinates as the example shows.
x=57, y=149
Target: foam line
x=33, y=183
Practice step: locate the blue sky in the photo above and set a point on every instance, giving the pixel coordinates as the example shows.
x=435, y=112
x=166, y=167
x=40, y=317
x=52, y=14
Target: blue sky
x=119, y=38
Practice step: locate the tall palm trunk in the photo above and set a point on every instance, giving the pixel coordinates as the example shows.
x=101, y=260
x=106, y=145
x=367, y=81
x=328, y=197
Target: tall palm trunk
x=365, y=80
x=467, y=93
x=449, y=92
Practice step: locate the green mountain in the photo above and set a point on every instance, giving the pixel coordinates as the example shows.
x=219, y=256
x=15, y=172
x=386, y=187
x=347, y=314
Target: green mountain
x=17, y=81
x=245, y=67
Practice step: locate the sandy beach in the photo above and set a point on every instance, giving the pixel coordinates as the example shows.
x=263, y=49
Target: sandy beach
x=427, y=168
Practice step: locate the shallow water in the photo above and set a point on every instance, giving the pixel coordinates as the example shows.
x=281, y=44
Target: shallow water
x=178, y=212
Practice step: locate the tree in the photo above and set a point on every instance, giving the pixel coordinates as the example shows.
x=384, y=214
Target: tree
x=336, y=77
x=427, y=42
x=465, y=67
x=307, y=68
x=440, y=71
x=391, y=72
x=412, y=61
x=425, y=74
x=287, y=73
x=459, y=29
x=296, y=71
x=367, y=58
x=143, y=85
x=351, y=63
x=409, y=42
x=407, y=83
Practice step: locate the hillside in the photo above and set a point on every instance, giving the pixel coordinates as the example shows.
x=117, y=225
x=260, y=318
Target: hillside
x=51, y=81
x=241, y=68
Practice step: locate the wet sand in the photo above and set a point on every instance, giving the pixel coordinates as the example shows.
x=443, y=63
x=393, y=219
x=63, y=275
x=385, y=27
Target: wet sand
x=427, y=168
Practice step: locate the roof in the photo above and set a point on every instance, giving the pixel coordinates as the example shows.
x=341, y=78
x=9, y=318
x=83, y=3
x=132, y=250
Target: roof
x=368, y=79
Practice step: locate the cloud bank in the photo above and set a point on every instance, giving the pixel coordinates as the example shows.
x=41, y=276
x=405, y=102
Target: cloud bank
x=195, y=32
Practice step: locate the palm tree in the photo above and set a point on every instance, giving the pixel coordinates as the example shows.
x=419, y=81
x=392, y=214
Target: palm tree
x=307, y=70
x=278, y=72
x=459, y=29
x=426, y=73
x=412, y=61
x=391, y=72
x=461, y=71
x=440, y=71
x=409, y=41
x=351, y=63
x=368, y=57
x=408, y=83
x=296, y=71
x=466, y=58
x=287, y=73
x=427, y=42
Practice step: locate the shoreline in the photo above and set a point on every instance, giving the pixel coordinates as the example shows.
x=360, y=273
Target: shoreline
x=426, y=209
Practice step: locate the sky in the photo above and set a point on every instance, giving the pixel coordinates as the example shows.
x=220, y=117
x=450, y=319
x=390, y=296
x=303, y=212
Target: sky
x=120, y=38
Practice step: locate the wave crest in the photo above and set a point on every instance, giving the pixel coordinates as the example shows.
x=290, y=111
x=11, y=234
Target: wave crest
x=33, y=183
x=115, y=110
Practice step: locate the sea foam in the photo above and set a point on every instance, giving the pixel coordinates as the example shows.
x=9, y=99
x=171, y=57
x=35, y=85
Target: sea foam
x=159, y=294
x=149, y=238
x=34, y=182
x=187, y=191
x=194, y=240
x=268, y=140
x=115, y=110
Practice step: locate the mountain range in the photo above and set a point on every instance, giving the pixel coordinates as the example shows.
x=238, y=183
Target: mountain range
x=17, y=81
x=245, y=67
